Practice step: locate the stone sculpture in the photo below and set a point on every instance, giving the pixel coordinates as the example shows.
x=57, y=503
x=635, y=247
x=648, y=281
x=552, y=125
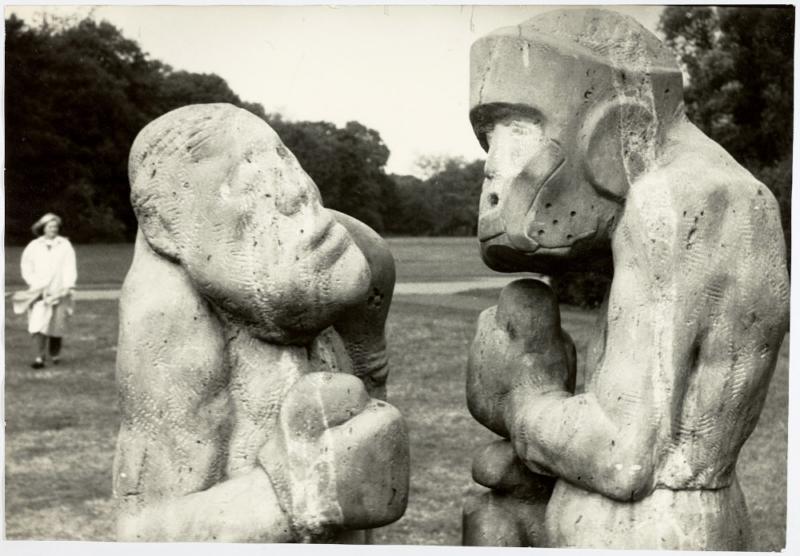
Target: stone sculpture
x=251, y=360
x=592, y=163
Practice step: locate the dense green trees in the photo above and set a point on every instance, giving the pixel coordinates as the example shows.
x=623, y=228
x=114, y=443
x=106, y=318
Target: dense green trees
x=444, y=204
x=77, y=93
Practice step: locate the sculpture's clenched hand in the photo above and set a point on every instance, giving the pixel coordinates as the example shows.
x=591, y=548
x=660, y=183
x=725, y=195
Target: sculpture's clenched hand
x=340, y=458
x=519, y=350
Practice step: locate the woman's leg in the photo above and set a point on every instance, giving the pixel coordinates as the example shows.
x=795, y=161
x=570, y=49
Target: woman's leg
x=55, y=348
x=41, y=350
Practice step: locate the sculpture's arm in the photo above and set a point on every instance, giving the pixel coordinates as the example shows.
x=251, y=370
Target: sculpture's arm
x=362, y=328
x=609, y=439
x=242, y=509
x=604, y=443
x=172, y=385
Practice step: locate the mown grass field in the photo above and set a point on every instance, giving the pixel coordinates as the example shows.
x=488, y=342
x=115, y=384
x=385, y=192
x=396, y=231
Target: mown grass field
x=418, y=259
x=61, y=422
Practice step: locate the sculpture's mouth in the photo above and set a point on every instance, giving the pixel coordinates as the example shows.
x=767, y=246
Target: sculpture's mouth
x=498, y=254
x=489, y=236
x=330, y=241
x=532, y=246
x=501, y=254
x=321, y=235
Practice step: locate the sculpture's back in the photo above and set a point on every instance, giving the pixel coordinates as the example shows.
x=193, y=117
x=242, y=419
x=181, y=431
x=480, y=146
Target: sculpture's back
x=592, y=164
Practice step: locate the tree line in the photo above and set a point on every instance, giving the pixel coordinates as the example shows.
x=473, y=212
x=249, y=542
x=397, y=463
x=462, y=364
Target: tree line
x=78, y=92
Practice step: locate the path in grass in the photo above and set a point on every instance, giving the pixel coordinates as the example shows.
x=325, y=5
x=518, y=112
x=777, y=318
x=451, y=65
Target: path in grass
x=434, y=291
x=62, y=424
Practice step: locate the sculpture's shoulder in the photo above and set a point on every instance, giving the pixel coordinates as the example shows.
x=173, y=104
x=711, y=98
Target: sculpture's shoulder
x=697, y=179
x=703, y=219
x=154, y=283
x=167, y=332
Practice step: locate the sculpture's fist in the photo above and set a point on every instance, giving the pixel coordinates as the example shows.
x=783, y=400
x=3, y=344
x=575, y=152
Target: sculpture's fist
x=519, y=345
x=498, y=467
x=340, y=459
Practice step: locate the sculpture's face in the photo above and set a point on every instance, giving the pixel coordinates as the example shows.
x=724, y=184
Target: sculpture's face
x=566, y=132
x=270, y=251
x=538, y=210
x=237, y=211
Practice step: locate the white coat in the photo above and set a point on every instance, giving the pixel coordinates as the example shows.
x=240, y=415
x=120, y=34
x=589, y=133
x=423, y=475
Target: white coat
x=49, y=269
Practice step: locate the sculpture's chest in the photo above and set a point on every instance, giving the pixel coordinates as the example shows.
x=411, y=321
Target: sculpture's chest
x=261, y=374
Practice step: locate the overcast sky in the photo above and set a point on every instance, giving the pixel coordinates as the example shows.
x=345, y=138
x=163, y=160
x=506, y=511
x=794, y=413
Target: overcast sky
x=402, y=70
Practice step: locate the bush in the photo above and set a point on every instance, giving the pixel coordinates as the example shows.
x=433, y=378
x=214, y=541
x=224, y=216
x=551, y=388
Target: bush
x=582, y=289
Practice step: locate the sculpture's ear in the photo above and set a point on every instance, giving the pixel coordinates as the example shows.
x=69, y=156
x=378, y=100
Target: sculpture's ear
x=157, y=230
x=616, y=144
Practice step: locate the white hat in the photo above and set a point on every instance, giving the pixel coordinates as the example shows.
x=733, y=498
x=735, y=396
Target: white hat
x=43, y=221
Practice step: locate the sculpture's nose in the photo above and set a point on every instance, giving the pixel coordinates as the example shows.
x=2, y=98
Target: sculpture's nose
x=504, y=206
x=297, y=194
x=490, y=211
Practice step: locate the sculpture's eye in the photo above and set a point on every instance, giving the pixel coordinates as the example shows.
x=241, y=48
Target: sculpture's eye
x=520, y=129
x=525, y=127
x=490, y=136
x=513, y=143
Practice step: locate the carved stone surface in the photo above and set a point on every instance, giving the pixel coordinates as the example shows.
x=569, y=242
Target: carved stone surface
x=251, y=360
x=592, y=163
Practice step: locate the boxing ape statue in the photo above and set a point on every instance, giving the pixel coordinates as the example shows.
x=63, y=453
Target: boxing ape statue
x=592, y=163
x=248, y=321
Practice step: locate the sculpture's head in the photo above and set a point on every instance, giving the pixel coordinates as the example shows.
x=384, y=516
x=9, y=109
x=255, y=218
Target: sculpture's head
x=216, y=191
x=571, y=107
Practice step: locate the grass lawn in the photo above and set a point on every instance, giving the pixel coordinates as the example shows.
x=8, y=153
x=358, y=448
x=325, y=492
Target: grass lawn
x=418, y=259
x=61, y=424
x=98, y=264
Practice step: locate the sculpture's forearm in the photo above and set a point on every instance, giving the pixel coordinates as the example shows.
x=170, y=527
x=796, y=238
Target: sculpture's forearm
x=362, y=328
x=573, y=438
x=242, y=509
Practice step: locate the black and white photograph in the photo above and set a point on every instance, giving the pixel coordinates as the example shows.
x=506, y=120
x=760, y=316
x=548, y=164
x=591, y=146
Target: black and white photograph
x=433, y=275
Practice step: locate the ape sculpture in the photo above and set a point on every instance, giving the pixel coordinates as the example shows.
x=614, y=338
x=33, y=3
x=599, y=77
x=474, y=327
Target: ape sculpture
x=251, y=360
x=592, y=164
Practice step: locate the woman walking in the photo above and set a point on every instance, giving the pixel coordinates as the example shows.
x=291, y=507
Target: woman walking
x=48, y=267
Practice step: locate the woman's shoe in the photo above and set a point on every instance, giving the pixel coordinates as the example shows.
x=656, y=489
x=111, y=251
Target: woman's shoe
x=38, y=363
x=55, y=359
